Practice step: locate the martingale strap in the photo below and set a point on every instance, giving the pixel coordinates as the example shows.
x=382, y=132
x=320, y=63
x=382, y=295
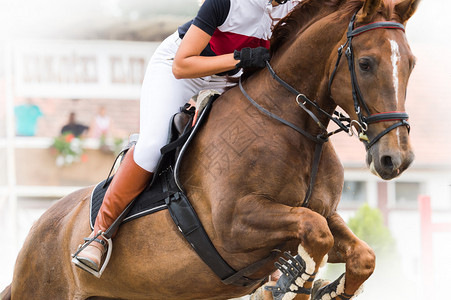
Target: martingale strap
x=319, y=140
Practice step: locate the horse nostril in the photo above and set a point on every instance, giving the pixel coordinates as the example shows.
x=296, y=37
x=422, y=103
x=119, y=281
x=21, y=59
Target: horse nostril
x=387, y=162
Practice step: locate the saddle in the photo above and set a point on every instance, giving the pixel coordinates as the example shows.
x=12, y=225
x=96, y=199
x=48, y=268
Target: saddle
x=151, y=200
x=166, y=192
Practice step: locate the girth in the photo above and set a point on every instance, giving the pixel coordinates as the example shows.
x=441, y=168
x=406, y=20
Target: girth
x=188, y=222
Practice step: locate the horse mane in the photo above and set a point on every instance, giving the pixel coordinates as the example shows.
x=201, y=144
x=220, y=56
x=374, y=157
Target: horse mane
x=308, y=11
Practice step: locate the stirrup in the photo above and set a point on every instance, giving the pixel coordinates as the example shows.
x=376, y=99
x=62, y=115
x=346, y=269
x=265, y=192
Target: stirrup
x=85, y=267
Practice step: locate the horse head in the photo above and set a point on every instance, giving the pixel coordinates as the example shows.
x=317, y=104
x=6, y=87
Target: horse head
x=370, y=83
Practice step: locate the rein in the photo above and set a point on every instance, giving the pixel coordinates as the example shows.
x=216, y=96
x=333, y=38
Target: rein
x=357, y=96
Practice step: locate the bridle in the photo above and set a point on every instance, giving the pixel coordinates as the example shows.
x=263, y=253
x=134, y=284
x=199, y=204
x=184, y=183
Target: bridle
x=338, y=118
x=364, y=121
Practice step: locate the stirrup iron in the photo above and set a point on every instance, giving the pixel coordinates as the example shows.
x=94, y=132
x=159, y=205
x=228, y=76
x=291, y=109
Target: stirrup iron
x=85, y=267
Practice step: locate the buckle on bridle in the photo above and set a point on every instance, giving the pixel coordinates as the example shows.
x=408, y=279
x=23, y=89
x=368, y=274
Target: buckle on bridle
x=348, y=51
x=299, y=102
x=360, y=133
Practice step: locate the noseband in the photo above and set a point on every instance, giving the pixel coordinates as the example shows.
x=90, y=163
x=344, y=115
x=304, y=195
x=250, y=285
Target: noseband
x=364, y=121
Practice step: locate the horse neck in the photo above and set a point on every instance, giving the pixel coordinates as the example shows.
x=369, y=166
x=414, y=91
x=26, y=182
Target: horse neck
x=305, y=64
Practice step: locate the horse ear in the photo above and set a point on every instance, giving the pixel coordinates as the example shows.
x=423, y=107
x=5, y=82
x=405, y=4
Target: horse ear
x=370, y=7
x=405, y=9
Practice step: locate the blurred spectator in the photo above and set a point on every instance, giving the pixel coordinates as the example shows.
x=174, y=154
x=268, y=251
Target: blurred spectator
x=100, y=126
x=27, y=116
x=73, y=127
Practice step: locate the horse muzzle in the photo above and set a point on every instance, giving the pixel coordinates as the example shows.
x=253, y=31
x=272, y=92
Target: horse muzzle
x=388, y=163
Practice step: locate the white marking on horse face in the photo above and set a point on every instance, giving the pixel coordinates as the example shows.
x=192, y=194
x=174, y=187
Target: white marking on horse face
x=395, y=58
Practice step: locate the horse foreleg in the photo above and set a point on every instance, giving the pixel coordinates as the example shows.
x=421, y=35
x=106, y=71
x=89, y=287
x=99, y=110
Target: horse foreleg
x=288, y=223
x=356, y=254
x=297, y=276
x=265, y=291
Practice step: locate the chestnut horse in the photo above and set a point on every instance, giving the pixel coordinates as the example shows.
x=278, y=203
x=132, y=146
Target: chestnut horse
x=247, y=173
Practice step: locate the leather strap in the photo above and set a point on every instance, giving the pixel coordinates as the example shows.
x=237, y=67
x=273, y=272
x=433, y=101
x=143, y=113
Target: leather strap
x=100, y=241
x=387, y=25
x=387, y=116
x=270, y=114
x=315, y=167
x=191, y=228
x=319, y=139
x=387, y=130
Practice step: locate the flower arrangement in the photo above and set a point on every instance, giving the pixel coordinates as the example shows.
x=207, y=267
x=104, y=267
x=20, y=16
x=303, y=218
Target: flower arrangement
x=69, y=149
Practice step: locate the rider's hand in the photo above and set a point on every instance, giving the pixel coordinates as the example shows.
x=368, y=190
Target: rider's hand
x=252, y=57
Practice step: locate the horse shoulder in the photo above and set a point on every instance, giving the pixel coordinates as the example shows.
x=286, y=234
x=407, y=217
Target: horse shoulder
x=49, y=239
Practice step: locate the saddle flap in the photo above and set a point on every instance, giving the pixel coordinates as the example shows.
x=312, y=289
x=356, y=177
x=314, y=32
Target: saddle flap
x=148, y=202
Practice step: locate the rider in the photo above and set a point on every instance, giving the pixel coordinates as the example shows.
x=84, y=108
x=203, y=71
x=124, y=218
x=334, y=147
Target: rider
x=226, y=35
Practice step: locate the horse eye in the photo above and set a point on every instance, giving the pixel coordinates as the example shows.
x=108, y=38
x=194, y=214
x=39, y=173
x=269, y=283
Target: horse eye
x=364, y=64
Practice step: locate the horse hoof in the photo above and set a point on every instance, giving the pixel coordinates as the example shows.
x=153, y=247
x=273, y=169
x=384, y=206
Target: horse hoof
x=332, y=290
x=319, y=284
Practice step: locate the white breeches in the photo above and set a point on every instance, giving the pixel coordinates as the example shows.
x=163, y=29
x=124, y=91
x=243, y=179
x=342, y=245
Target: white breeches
x=161, y=97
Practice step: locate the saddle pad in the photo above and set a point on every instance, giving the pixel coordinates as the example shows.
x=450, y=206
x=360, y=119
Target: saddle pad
x=152, y=199
x=148, y=202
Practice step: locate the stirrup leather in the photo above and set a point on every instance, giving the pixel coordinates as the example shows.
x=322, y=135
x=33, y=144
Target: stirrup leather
x=106, y=242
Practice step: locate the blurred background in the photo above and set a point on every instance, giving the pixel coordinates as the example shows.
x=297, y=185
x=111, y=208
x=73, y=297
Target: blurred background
x=70, y=76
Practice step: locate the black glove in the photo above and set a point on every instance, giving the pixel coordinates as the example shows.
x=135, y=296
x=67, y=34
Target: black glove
x=252, y=57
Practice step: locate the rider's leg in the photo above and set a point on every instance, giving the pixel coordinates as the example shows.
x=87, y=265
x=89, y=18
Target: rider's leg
x=161, y=96
x=128, y=182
